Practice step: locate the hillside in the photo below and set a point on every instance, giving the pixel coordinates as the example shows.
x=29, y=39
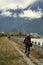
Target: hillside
x=10, y=24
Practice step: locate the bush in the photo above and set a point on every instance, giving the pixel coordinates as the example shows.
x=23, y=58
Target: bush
x=1, y=34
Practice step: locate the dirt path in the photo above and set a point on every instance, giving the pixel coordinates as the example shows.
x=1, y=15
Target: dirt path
x=30, y=60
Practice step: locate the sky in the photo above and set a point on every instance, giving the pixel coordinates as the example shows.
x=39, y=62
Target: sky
x=20, y=4
x=15, y=3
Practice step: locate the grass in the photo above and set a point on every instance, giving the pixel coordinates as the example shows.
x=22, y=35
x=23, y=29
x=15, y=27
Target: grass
x=36, y=54
x=20, y=45
x=8, y=54
x=33, y=53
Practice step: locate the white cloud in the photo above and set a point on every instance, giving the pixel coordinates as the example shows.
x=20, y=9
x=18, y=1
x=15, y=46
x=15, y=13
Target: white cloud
x=15, y=15
x=5, y=13
x=31, y=14
x=27, y=14
x=13, y=4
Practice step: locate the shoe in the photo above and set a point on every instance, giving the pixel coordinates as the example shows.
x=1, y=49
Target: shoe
x=25, y=51
x=27, y=55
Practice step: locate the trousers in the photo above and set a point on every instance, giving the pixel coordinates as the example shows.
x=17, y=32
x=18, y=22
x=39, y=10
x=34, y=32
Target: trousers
x=27, y=49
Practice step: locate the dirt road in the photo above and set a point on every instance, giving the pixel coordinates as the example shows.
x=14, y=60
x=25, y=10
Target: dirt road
x=30, y=60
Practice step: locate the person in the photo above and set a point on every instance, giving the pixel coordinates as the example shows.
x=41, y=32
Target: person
x=9, y=37
x=28, y=44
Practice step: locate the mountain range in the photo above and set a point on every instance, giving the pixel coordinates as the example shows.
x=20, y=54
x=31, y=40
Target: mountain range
x=27, y=25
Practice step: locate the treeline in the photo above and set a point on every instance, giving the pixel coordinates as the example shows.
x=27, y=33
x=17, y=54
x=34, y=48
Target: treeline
x=12, y=34
x=1, y=34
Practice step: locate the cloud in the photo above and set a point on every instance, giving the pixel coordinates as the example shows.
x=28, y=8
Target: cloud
x=31, y=14
x=25, y=14
x=14, y=4
x=5, y=13
x=18, y=7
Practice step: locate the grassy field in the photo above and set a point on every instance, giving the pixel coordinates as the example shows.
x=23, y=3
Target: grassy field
x=8, y=54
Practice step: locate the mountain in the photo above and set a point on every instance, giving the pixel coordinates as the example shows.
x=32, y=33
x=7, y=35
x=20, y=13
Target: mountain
x=17, y=11
x=29, y=26
x=9, y=23
x=35, y=6
x=15, y=24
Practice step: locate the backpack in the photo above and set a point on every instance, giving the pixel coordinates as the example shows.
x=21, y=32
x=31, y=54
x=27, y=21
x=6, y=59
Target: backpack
x=31, y=44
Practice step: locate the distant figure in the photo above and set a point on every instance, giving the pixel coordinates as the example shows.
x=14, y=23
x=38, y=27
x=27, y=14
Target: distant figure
x=9, y=37
x=28, y=44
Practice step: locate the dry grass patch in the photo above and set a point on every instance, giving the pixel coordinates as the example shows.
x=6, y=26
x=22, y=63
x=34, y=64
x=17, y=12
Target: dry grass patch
x=35, y=54
x=8, y=54
x=21, y=46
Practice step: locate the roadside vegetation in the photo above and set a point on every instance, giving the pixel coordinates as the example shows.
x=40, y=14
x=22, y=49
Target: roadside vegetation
x=8, y=54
